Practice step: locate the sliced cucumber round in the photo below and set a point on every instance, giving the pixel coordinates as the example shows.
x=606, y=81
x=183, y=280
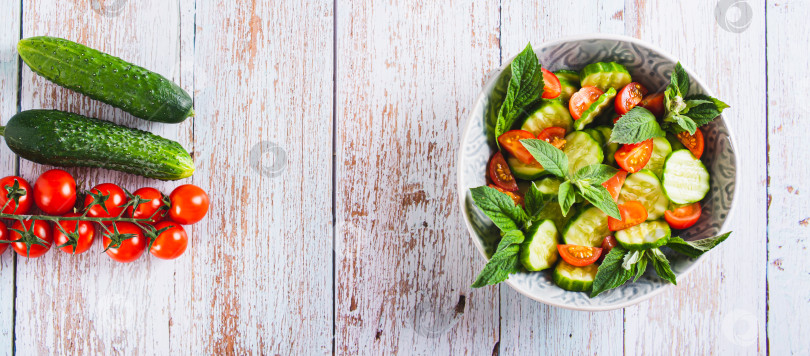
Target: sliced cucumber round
x=608, y=147
x=588, y=228
x=604, y=75
x=575, y=279
x=598, y=106
x=539, y=250
x=567, y=74
x=661, y=149
x=553, y=212
x=548, y=185
x=649, y=234
x=549, y=113
x=685, y=178
x=597, y=135
x=567, y=88
x=524, y=171
x=582, y=150
x=645, y=188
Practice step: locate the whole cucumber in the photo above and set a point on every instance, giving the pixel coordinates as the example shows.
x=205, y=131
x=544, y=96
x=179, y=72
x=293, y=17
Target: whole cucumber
x=136, y=90
x=68, y=140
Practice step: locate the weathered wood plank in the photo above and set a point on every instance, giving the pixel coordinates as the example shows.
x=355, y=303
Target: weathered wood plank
x=529, y=327
x=9, y=82
x=408, y=73
x=262, y=273
x=720, y=307
x=789, y=210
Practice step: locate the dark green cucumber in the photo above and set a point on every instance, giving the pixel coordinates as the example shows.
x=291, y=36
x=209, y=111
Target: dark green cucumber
x=69, y=140
x=136, y=90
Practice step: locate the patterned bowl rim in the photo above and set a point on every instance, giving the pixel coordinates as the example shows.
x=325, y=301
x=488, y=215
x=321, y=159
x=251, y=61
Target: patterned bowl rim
x=493, y=76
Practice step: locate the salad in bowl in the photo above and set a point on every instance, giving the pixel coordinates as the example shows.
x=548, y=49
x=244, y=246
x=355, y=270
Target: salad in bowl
x=596, y=175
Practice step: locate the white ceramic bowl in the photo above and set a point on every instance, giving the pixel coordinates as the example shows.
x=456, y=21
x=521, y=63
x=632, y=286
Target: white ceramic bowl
x=647, y=64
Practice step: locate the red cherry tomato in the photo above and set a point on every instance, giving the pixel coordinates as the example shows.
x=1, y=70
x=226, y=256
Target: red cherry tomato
x=683, y=217
x=553, y=135
x=615, y=183
x=33, y=231
x=629, y=97
x=654, y=103
x=579, y=256
x=632, y=212
x=633, y=157
x=616, y=119
x=694, y=143
x=114, y=201
x=582, y=100
x=500, y=174
x=189, y=204
x=155, y=208
x=3, y=237
x=552, y=88
x=516, y=196
x=84, y=233
x=55, y=192
x=131, y=240
x=170, y=243
x=510, y=141
x=23, y=190
x=608, y=244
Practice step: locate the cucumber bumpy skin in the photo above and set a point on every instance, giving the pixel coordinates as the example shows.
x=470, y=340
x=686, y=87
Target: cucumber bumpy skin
x=136, y=90
x=68, y=140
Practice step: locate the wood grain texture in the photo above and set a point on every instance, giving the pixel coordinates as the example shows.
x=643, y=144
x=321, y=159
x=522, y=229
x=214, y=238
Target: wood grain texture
x=262, y=272
x=408, y=73
x=720, y=307
x=9, y=82
x=789, y=209
x=529, y=327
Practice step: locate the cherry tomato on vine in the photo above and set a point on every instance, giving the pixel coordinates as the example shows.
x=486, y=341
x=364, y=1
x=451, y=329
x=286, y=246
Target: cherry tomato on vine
x=124, y=242
x=633, y=157
x=552, y=88
x=510, y=141
x=683, y=217
x=154, y=208
x=113, y=198
x=579, y=256
x=55, y=192
x=654, y=103
x=83, y=231
x=553, y=135
x=189, y=204
x=516, y=196
x=632, y=213
x=498, y=172
x=629, y=97
x=694, y=143
x=22, y=189
x=582, y=100
x=3, y=237
x=33, y=232
x=170, y=243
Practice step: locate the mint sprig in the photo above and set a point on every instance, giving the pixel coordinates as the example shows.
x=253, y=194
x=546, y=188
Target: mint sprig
x=687, y=112
x=500, y=208
x=536, y=201
x=611, y=274
x=695, y=248
x=637, y=125
x=503, y=262
x=525, y=88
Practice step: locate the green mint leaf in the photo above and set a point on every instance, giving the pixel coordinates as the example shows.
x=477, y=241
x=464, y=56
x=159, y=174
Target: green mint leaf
x=631, y=258
x=719, y=105
x=610, y=273
x=600, y=198
x=695, y=248
x=525, y=87
x=566, y=197
x=595, y=174
x=551, y=158
x=500, y=208
x=503, y=262
x=703, y=114
x=680, y=79
x=661, y=265
x=640, y=268
x=636, y=126
x=685, y=123
x=536, y=201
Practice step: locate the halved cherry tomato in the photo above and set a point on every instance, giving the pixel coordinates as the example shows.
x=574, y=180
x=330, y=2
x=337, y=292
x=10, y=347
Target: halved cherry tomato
x=694, y=143
x=582, y=100
x=654, y=103
x=516, y=196
x=23, y=191
x=579, y=256
x=553, y=135
x=500, y=174
x=510, y=141
x=683, y=217
x=615, y=183
x=632, y=212
x=629, y=97
x=83, y=231
x=633, y=157
x=552, y=87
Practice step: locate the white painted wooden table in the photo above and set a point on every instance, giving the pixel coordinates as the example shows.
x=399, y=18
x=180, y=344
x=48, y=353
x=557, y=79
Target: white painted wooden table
x=341, y=234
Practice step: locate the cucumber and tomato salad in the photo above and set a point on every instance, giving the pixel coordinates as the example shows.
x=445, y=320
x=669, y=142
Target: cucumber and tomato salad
x=658, y=187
